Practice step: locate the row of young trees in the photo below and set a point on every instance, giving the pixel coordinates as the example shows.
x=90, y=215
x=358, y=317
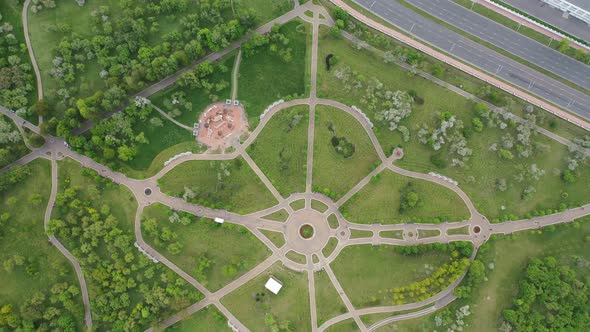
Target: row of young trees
x=128, y=291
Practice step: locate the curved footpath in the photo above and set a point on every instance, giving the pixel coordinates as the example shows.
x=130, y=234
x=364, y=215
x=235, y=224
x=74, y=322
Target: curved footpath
x=25, y=20
x=62, y=249
x=55, y=147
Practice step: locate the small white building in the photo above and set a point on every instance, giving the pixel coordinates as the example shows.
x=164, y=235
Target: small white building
x=219, y=220
x=273, y=285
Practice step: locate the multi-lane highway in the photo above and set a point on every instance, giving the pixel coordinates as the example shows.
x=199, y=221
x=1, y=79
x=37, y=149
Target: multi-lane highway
x=507, y=39
x=480, y=56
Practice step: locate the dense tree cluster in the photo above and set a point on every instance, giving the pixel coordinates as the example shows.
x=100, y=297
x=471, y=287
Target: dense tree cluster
x=552, y=297
x=13, y=176
x=11, y=143
x=410, y=198
x=121, y=45
x=116, y=138
x=128, y=291
x=16, y=74
x=54, y=309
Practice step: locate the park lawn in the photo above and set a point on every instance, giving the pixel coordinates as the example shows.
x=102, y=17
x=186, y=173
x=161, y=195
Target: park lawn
x=277, y=238
x=348, y=325
x=330, y=246
x=265, y=78
x=266, y=10
x=225, y=245
x=206, y=319
x=329, y=166
x=158, y=162
x=510, y=256
x=291, y=304
x=280, y=150
x=121, y=201
x=239, y=190
x=16, y=150
x=44, y=40
x=393, y=77
x=380, y=201
x=11, y=12
x=328, y=301
x=484, y=166
x=121, y=205
x=24, y=234
x=198, y=97
x=363, y=275
x=159, y=139
x=280, y=215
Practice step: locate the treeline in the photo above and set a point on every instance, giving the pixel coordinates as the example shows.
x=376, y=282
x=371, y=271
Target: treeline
x=127, y=290
x=552, y=297
x=436, y=281
x=120, y=45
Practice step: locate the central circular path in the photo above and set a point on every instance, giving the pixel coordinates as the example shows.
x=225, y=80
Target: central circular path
x=307, y=218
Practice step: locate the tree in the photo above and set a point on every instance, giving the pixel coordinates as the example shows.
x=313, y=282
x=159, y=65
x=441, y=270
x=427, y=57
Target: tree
x=41, y=108
x=568, y=176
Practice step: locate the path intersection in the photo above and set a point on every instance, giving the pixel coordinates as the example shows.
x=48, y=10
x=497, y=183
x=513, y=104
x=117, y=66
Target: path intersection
x=147, y=192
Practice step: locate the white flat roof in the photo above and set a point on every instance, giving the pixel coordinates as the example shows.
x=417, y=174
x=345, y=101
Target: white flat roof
x=273, y=285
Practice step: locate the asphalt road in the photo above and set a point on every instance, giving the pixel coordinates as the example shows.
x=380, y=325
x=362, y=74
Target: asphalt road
x=507, y=39
x=480, y=56
x=552, y=16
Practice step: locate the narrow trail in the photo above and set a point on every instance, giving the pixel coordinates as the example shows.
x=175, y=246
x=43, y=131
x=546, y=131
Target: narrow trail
x=235, y=74
x=167, y=116
x=62, y=249
x=25, y=19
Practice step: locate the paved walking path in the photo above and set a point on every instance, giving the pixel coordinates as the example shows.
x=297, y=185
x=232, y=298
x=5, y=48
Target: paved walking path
x=235, y=74
x=25, y=19
x=55, y=147
x=167, y=116
x=62, y=249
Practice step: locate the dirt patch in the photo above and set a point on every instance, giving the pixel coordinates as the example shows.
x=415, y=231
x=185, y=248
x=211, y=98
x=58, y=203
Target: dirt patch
x=221, y=125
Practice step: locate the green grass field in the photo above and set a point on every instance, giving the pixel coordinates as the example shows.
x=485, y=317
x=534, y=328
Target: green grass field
x=159, y=139
x=206, y=319
x=231, y=249
x=328, y=301
x=281, y=150
x=280, y=215
x=291, y=304
x=485, y=166
x=239, y=189
x=275, y=237
x=379, y=202
x=348, y=325
x=265, y=78
x=328, y=164
x=198, y=97
x=330, y=246
x=23, y=234
x=44, y=39
x=364, y=271
x=510, y=256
